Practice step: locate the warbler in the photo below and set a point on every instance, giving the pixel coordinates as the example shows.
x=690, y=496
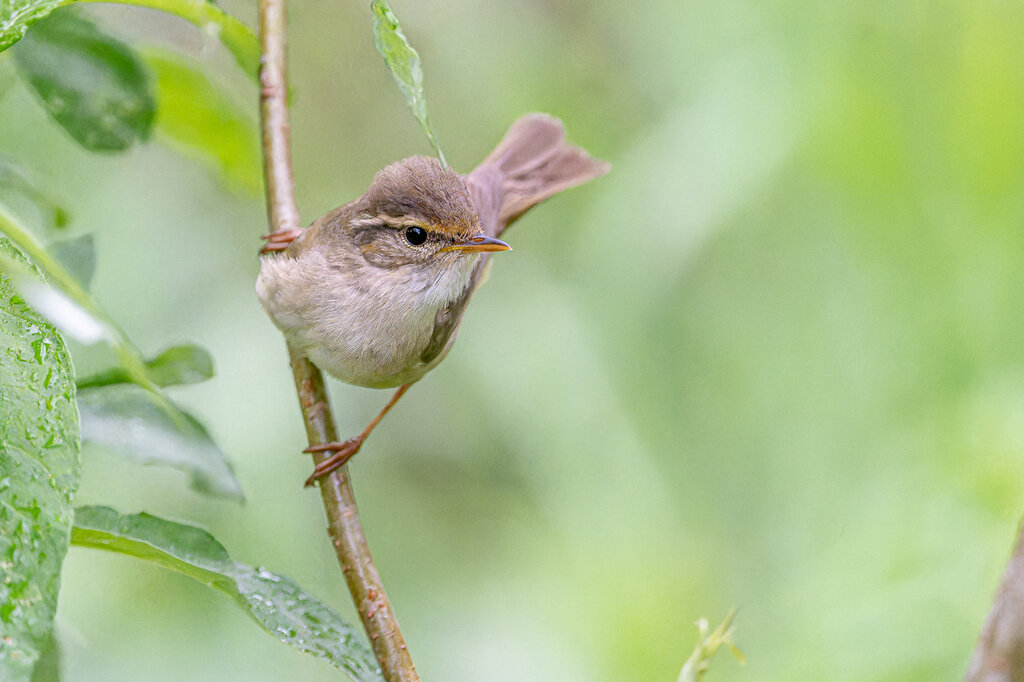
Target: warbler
x=373, y=292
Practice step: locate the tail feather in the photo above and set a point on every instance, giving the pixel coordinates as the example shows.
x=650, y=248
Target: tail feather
x=531, y=163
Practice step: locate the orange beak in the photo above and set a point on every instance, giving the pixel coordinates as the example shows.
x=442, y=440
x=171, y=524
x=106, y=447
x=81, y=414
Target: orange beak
x=480, y=243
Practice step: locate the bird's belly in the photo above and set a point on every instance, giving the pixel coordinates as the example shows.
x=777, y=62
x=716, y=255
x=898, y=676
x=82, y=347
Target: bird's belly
x=373, y=335
x=363, y=370
x=377, y=360
x=358, y=337
x=372, y=343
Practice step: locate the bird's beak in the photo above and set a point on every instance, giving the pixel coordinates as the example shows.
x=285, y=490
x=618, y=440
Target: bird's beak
x=480, y=243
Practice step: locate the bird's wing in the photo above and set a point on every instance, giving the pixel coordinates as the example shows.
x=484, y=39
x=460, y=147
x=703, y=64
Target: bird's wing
x=531, y=163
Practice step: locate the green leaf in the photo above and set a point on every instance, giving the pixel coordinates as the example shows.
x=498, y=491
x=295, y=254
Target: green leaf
x=78, y=256
x=93, y=85
x=39, y=473
x=131, y=422
x=404, y=63
x=66, y=314
x=19, y=192
x=186, y=364
x=197, y=117
x=275, y=602
x=17, y=15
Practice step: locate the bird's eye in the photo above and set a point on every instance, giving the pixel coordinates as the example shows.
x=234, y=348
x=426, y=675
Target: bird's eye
x=415, y=235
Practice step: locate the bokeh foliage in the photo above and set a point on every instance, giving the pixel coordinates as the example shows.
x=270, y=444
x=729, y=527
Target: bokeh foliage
x=772, y=361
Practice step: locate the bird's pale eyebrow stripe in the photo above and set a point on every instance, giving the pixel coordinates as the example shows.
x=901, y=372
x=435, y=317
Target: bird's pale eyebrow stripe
x=401, y=221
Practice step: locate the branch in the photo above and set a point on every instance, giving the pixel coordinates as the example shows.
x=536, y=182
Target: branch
x=346, y=532
x=282, y=211
x=999, y=654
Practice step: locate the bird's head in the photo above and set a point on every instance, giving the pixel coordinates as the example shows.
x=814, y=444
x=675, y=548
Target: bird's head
x=418, y=213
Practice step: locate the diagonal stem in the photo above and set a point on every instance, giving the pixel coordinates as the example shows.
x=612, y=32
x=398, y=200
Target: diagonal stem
x=346, y=531
x=364, y=583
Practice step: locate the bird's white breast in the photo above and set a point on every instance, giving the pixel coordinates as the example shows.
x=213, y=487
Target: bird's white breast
x=365, y=325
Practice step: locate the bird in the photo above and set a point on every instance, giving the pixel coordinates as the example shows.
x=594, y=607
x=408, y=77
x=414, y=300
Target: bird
x=373, y=292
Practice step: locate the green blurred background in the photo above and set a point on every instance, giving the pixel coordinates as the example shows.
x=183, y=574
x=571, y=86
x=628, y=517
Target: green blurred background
x=772, y=361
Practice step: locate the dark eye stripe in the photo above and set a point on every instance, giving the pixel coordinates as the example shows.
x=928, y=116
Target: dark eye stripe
x=415, y=235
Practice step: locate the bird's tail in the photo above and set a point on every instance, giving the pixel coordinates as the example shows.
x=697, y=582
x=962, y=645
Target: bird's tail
x=531, y=163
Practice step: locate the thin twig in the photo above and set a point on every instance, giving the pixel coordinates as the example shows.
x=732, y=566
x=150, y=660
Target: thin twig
x=282, y=211
x=999, y=654
x=346, y=532
x=364, y=582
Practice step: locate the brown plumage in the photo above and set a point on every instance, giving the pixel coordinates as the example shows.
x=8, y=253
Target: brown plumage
x=531, y=163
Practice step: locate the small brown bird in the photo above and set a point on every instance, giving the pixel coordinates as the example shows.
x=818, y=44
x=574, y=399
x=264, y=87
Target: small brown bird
x=373, y=292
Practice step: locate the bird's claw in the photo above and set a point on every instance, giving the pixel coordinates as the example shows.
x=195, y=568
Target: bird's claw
x=343, y=452
x=279, y=241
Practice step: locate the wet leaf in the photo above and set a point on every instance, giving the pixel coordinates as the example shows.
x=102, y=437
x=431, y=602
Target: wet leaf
x=17, y=15
x=39, y=473
x=94, y=86
x=186, y=364
x=129, y=421
x=196, y=117
x=404, y=63
x=276, y=603
x=58, y=308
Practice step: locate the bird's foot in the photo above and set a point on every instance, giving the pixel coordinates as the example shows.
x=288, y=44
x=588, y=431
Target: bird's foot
x=343, y=452
x=279, y=241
